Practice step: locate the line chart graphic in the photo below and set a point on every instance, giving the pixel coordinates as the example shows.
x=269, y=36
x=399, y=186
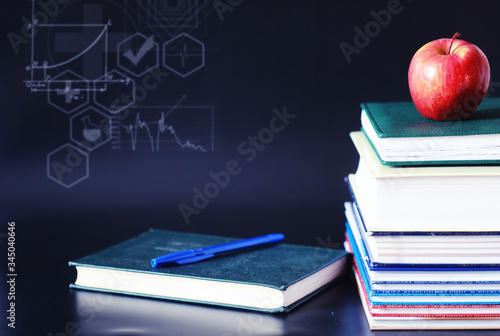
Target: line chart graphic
x=161, y=127
x=71, y=51
x=98, y=60
x=157, y=128
x=80, y=38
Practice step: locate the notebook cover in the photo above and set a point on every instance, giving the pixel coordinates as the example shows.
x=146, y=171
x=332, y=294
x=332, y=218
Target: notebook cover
x=401, y=119
x=276, y=266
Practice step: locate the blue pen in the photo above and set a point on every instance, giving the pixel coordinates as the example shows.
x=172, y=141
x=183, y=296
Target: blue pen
x=190, y=256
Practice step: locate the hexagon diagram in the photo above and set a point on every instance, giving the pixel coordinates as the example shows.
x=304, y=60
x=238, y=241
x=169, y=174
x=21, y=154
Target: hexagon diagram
x=68, y=91
x=114, y=91
x=90, y=128
x=138, y=54
x=67, y=165
x=183, y=55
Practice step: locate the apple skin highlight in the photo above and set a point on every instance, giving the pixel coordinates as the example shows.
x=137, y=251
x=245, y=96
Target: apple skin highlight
x=448, y=87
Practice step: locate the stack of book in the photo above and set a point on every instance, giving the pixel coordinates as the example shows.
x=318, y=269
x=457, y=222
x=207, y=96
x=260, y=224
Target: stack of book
x=424, y=221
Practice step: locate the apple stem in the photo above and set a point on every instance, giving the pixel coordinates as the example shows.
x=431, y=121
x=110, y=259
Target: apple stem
x=457, y=34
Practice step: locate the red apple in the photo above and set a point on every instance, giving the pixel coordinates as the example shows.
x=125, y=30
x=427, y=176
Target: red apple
x=448, y=79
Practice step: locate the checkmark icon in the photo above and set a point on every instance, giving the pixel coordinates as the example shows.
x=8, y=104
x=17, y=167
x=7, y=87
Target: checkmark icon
x=143, y=50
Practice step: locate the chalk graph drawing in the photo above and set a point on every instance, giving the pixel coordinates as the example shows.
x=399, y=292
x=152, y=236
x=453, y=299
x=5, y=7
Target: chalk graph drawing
x=90, y=55
x=165, y=128
x=56, y=48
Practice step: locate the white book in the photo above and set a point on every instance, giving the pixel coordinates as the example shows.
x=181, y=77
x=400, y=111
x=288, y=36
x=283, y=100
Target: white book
x=437, y=198
x=407, y=249
x=437, y=276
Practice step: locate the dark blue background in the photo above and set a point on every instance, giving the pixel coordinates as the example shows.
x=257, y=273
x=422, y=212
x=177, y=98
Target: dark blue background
x=272, y=54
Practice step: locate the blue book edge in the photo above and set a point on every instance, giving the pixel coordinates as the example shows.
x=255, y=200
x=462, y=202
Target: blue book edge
x=424, y=267
x=372, y=295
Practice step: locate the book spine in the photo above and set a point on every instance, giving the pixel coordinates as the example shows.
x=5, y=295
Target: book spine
x=405, y=292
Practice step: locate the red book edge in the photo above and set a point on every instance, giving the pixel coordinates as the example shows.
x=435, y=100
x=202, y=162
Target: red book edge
x=372, y=308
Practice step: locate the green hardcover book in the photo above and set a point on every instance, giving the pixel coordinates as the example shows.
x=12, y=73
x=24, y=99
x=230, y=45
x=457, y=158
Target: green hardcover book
x=401, y=136
x=275, y=278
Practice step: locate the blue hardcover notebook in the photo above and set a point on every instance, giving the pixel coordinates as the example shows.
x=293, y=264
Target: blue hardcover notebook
x=409, y=275
x=416, y=297
x=272, y=279
x=372, y=265
x=454, y=248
